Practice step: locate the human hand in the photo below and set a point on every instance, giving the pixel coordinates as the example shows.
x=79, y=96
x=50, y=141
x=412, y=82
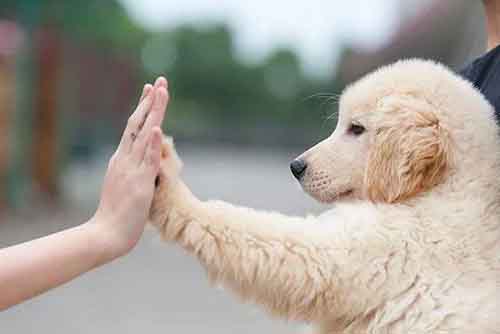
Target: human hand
x=129, y=182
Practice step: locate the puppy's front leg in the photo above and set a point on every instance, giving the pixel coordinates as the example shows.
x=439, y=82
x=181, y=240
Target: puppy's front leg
x=297, y=267
x=266, y=257
x=258, y=255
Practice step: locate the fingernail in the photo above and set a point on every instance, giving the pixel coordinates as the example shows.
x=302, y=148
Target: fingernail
x=161, y=81
x=147, y=89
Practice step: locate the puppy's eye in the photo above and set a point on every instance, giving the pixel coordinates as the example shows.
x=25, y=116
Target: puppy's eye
x=356, y=129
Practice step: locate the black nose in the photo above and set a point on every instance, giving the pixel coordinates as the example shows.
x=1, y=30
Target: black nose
x=298, y=168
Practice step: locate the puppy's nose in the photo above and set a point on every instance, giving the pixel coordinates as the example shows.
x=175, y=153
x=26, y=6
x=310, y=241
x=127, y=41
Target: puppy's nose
x=298, y=168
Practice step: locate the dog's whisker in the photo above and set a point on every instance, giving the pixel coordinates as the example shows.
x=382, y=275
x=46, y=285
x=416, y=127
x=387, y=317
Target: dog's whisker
x=330, y=117
x=329, y=101
x=320, y=96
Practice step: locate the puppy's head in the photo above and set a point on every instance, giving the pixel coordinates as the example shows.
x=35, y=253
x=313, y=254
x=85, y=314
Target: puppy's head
x=391, y=143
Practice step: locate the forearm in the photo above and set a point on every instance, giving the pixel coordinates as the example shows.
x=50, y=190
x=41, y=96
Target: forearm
x=265, y=257
x=31, y=268
x=278, y=261
x=296, y=267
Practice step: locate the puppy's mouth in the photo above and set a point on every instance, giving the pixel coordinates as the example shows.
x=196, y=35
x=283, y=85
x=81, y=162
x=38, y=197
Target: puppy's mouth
x=345, y=193
x=339, y=195
x=331, y=197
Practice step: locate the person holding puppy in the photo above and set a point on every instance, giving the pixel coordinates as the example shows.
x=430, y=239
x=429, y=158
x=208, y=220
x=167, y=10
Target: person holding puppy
x=484, y=72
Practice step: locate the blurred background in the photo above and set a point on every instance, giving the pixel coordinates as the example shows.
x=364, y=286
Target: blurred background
x=253, y=84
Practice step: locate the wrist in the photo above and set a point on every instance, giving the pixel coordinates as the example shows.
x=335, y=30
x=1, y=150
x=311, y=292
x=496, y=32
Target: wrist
x=105, y=242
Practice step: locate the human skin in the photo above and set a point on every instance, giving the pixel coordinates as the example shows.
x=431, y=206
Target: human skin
x=492, y=13
x=31, y=268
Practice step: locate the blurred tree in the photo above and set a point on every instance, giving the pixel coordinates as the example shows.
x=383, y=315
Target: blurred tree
x=6, y=112
x=87, y=57
x=104, y=22
x=215, y=93
x=47, y=24
x=218, y=96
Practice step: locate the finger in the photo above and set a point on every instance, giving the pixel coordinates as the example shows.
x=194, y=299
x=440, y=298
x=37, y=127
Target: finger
x=135, y=120
x=152, y=157
x=148, y=88
x=145, y=91
x=154, y=119
x=159, y=82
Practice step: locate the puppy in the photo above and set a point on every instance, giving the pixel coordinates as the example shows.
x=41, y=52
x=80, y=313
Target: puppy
x=411, y=243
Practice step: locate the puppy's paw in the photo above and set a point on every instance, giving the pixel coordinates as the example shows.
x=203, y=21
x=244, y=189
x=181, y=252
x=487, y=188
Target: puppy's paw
x=171, y=164
x=165, y=183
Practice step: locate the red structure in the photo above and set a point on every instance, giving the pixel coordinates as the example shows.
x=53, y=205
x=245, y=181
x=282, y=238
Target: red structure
x=44, y=138
x=10, y=39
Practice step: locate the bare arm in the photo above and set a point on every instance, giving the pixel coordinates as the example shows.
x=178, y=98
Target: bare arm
x=34, y=267
x=31, y=268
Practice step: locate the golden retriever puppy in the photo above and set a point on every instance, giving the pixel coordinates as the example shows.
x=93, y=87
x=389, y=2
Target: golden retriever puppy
x=412, y=241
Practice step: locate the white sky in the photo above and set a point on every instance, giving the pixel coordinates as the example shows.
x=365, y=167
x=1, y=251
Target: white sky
x=314, y=28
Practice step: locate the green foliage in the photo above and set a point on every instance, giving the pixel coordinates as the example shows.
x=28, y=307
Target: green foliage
x=212, y=88
x=96, y=21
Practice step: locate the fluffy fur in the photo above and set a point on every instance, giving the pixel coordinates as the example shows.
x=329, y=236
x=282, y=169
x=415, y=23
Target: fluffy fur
x=411, y=244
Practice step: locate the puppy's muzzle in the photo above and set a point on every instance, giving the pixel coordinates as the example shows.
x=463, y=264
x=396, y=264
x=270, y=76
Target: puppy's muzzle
x=298, y=168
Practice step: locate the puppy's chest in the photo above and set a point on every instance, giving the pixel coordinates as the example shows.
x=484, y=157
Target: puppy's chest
x=434, y=303
x=440, y=306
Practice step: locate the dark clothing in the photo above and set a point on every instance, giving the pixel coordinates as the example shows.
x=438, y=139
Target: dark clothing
x=484, y=73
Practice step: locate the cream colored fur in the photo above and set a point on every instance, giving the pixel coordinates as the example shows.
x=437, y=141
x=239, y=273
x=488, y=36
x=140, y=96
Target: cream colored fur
x=411, y=243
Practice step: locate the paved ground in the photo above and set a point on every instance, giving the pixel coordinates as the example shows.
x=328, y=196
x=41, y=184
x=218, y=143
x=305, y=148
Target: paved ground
x=157, y=288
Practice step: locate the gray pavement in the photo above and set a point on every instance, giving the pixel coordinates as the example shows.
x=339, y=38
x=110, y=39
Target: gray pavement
x=157, y=288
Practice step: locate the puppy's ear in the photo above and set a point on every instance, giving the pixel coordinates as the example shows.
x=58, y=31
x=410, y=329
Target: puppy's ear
x=410, y=153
